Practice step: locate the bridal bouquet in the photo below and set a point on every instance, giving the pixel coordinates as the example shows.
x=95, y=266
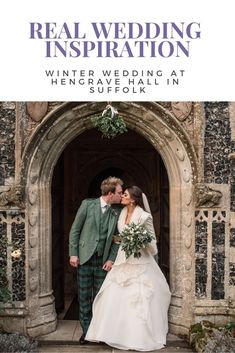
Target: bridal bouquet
x=134, y=238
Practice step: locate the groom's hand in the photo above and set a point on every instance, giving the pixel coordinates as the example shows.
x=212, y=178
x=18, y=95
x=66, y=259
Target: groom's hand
x=108, y=265
x=74, y=261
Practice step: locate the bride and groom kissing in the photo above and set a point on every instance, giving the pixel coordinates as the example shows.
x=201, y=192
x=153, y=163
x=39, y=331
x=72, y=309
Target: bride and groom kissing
x=123, y=300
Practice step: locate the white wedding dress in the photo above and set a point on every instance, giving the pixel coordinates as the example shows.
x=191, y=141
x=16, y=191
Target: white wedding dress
x=130, y=310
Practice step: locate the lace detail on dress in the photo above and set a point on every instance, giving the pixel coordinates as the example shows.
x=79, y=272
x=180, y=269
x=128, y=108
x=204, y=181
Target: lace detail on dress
x=141, y=290
x=125, y=273
x=140, y=300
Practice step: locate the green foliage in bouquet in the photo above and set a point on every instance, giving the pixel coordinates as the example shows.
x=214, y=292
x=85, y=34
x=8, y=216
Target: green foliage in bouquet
x=110, y=124
x=134, y=238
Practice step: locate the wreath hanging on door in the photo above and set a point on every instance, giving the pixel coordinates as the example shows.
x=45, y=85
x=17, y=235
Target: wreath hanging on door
x=109, y=123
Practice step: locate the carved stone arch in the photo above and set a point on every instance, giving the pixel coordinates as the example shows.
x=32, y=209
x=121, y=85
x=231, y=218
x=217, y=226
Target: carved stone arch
x=56, y=131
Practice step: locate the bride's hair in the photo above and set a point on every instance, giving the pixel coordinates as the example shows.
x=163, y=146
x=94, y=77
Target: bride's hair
x=136, y=194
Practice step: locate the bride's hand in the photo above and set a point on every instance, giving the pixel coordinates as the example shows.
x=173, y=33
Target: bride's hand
x=116, y=239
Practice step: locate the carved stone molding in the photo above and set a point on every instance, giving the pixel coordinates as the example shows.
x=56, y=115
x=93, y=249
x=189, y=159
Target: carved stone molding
x=53, y=105
x=37, y=110
x=206, y=196
x=11, y=196
x=181, y=110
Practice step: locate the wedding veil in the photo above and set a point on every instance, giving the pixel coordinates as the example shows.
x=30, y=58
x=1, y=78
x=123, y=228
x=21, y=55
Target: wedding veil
x=147, y=209
x=146, y=203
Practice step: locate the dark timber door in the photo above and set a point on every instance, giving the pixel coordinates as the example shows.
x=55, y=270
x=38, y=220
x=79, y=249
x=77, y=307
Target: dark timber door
x=85, y=162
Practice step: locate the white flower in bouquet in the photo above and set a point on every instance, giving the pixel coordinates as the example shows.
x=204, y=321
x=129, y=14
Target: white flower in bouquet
x=134, y=238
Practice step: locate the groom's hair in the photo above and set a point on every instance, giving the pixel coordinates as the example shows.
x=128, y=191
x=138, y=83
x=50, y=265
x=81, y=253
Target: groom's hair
x=109, y=185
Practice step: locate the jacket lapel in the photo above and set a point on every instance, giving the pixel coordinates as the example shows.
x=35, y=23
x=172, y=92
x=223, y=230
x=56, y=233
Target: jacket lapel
x=97, y=211
x=112, y=220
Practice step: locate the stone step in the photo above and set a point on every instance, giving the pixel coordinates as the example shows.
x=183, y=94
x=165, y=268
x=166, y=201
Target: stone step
x=174, y=344
x=68, y=333
x=172, y=341
x=101, y=349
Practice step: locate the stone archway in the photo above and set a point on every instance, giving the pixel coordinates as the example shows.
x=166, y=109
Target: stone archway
x=164, y=132
x=82, y=166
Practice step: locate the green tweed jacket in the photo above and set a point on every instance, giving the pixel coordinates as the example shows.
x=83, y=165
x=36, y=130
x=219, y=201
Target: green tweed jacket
x=84, y=233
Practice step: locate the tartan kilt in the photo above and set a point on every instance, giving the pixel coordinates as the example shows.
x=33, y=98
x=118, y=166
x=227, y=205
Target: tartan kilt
x=90, y=279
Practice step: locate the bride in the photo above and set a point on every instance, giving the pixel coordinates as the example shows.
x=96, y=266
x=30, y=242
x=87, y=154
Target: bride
x=130, y=310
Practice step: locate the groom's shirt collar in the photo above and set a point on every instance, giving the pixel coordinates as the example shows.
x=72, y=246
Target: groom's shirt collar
x=103, y=204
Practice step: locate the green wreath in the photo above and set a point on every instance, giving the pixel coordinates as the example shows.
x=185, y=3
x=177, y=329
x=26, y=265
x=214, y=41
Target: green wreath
x=110, y=124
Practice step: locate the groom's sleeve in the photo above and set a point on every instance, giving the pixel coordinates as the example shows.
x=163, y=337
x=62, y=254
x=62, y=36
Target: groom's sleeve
x=76, y=229
x=113, y=252
x=113, y=249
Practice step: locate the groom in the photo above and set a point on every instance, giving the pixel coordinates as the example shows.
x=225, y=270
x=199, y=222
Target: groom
x=90, y=245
